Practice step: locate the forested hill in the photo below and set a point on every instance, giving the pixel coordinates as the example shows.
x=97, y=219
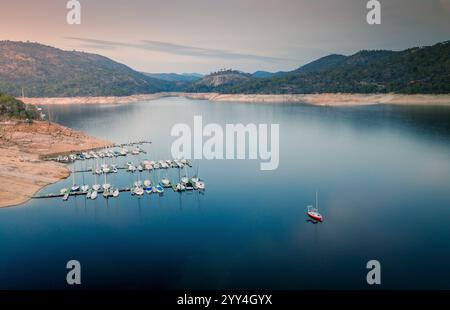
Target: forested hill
x=46, y=71
x=415, y=70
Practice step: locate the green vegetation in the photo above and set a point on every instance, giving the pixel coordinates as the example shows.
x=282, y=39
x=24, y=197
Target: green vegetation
x=44, y=71
x=417, y=70
x=11, y=108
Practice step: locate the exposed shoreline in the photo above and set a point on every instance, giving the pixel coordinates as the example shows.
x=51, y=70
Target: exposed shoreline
x=326, y=99
x=23, y=172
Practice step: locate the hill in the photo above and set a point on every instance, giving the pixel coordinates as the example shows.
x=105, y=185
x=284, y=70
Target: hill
x=219, y=80
x=47, y=71
x=415, y=70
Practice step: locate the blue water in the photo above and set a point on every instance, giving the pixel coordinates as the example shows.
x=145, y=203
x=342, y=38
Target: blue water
x=383, y=175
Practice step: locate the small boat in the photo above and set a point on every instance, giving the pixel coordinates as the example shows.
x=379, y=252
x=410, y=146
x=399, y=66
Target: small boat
x=96, y=187
x=66, y=196
x=189, y=186
x=313, y=211
x=140, y=168
x=180, y=187
x=138, y=184
x=116, y=193
x=159, y=188
x=106, y=186
x=106, y=193
x=63, y=191
x=184, y=180
x=200, y=185
x=165, y=182
x=88, y=194
x=94, y=195
x=84, y=188
x=75, y=188
x=139, y=191
x=148, y=189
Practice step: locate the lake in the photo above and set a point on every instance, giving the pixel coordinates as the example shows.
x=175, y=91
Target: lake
x=382, y=172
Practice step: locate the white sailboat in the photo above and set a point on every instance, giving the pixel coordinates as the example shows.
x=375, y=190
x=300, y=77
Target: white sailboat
x=74, y=187
x=94, y=195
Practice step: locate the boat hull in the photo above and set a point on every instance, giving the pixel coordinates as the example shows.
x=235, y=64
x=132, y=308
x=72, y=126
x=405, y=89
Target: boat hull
x=315, y=217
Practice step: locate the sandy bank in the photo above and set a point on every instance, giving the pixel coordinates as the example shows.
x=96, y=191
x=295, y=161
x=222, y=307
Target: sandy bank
x=22, y=145
x=314, y=99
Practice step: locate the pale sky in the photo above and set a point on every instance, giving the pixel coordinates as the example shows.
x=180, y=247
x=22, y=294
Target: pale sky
x=206, y=35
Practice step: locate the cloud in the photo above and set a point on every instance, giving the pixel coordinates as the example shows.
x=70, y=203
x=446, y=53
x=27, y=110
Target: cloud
x=176, y=49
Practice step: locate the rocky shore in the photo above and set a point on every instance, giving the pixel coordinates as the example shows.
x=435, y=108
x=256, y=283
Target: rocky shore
x=23, y=146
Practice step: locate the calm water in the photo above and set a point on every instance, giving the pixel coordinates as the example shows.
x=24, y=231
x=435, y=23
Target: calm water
x=383, y=173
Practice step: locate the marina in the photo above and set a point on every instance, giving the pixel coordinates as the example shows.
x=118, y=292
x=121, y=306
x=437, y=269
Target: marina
x=139, y=187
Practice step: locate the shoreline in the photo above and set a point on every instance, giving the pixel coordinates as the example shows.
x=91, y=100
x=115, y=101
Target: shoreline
x=325, y=99
x=23, y=147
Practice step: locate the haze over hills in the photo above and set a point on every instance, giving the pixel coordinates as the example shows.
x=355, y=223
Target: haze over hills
x=175, y=77
x=44, y=71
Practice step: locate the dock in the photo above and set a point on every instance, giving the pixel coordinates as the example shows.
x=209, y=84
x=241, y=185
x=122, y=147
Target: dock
x=100, y=192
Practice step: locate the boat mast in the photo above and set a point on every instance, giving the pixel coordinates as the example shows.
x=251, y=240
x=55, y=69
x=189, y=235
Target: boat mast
x=317, y=200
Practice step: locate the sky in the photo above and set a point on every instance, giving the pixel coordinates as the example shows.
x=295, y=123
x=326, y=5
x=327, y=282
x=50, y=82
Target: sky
x=206, y=35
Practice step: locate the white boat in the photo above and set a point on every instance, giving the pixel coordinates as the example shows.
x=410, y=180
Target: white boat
x=165, y=182
x=200, y=185
x=94, y=195
x=63, y=191
x=138, y=184
x=84, y=188
x=140, y=168
x=106, y=186
x=184, y=180
x=116, y=192
x=66, y=196
x=88, y=194
x=96, y=187
x=147, y=183
x=313, y=211
x=139, y=191
x=180, y=187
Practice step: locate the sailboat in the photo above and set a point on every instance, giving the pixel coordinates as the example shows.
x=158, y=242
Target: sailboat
x=115, y=193
x=74, y=187
x=148, y=186
x=313, y=211
x=94, y=195
x=106, y=186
